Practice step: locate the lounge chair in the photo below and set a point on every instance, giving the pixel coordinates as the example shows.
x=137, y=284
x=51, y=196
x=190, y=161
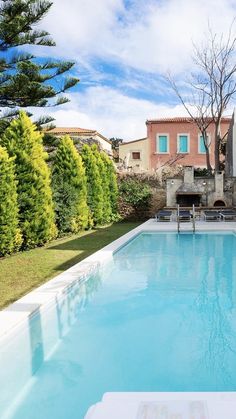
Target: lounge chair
x=184, y=215
x=228, y=215
x=211, y=215
x=163, y=215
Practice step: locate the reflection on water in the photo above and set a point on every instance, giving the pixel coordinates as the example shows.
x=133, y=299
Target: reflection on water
x=160, y=316
x=204, y=265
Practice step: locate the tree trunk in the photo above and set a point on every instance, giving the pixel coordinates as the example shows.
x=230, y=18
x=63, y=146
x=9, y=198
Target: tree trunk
x=217, y=145
x=206, y=144
x=208, y=162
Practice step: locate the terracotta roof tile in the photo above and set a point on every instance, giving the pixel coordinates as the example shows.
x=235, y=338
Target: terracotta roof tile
x=76, y=131
x=71, y=130
x=179, y=119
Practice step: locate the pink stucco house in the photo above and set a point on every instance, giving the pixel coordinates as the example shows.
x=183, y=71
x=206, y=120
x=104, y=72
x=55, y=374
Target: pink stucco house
x=170, y=137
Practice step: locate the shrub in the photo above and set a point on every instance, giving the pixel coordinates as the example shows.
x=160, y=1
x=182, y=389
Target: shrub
x=94, y=184
x=135, y=193
x=10, y=236
x=36, y=214
x=69, y=188
x=202, y=172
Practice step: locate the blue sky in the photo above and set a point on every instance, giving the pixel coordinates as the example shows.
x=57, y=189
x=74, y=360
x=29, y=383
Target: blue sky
x=122, y=50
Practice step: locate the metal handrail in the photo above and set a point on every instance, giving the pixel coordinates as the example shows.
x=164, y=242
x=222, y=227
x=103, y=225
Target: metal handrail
x=193, y=219
x=178, y=219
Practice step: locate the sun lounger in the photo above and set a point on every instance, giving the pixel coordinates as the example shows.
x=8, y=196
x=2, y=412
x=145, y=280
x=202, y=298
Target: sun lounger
x=164, y=215
x=211, y=215
x=184, y=215
x=228, y=215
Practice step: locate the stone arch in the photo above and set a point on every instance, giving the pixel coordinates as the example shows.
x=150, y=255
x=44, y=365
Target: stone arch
x=219, y=203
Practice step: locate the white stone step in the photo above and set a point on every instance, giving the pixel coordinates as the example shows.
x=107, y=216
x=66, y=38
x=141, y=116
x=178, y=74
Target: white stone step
x=165, y=406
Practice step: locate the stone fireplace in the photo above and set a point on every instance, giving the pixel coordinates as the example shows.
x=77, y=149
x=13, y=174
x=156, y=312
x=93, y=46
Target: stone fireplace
x=201, y=191
x=188, y=199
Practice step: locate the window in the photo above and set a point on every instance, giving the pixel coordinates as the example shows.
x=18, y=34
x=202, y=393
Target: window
x=162, y=143
x=201, y=145
x=183, y=143
x=136, y=155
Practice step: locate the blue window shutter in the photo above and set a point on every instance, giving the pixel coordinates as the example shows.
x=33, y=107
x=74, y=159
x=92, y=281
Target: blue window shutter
x=183, y=144
x=163, y=143
x=202, y=147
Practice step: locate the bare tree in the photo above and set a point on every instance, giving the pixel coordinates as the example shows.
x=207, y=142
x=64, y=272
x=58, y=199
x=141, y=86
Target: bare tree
x=217, y=77
x=172, y=160
x=199, y=109
x=212, y=87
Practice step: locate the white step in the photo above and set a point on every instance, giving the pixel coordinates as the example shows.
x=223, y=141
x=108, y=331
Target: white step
x=165, y=406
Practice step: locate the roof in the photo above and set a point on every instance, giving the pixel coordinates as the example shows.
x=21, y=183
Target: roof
x=180, y=119
x=134, y=141
x=76, y=131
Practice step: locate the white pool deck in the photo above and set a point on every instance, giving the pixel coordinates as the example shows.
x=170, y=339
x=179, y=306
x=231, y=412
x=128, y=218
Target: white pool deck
x=124, y=405
x=164, y=406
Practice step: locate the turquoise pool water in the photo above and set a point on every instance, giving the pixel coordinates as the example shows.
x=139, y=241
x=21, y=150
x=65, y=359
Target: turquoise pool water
x=160, y=316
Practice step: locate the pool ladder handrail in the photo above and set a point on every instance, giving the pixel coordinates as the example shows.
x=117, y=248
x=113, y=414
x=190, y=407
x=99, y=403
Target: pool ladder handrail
x=193, y=219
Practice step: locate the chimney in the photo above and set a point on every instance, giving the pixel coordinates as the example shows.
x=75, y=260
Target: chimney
x=188, y=174
x=219, y=184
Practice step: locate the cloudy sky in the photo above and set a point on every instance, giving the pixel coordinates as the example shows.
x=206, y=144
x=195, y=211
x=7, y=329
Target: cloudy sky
x=122, y=50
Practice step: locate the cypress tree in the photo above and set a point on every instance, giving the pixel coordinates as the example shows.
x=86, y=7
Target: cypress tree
x=94, y=184
x=10, y=237
x=112, y=185
x=69, y=188
x=36, y=214
x=106, y=202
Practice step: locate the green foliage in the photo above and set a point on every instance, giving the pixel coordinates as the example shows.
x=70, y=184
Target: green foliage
x=23, y=80
x=112, y=185
x=16, y=20
x=106, y=200
x=135, y=193
x=115, y=143
x=69, y=188
x=10, y=236
x=202, y=172
x=36, y=214
x=94, y=184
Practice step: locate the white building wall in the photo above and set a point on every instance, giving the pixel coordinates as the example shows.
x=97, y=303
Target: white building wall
x=234, y=149
x=104, y=144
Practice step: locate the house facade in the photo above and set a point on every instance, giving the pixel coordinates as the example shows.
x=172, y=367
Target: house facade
x=84, y=136
x=179, y=139
x=134, y=155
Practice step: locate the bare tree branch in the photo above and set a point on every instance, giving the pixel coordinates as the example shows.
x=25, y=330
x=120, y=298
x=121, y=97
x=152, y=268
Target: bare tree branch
x=213, y=86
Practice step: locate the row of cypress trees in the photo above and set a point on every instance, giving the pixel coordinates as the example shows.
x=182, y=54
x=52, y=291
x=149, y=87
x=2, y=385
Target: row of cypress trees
x=37, y=203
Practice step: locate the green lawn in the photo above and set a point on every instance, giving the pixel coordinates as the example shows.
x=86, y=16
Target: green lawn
x=24, y=271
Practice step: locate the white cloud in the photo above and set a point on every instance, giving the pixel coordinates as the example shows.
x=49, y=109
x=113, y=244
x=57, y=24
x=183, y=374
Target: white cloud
x=164, y=40
x=145, y=38
x=151, y=36
x=82, y=27
x=111, y=113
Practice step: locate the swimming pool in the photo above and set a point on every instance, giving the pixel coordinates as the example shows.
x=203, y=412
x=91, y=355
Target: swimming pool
x=157, y=316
